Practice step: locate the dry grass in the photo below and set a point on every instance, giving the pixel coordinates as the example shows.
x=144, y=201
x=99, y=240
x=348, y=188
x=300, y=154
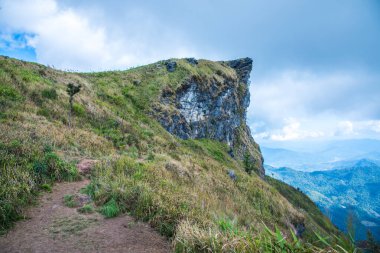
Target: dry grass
x=180, y=187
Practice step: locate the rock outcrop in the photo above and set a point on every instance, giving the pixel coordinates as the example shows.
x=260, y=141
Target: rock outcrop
x=214, y=106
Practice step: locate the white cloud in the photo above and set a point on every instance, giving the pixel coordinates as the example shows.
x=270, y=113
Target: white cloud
x=322, y=105
x=345, y=128
x=292, y=131
x=374, y=125
x=67, y=38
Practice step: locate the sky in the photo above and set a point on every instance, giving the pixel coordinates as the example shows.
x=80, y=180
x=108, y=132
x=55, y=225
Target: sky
x=316, y=73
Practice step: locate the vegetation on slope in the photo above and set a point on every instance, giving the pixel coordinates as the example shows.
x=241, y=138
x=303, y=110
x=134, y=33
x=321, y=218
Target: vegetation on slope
x=181, y=187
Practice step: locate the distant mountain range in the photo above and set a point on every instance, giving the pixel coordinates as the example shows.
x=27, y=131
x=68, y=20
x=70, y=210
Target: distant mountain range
x=351, y=187
x=313, y=156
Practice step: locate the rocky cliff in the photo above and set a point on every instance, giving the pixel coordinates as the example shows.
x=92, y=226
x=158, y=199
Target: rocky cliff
x=213, y=106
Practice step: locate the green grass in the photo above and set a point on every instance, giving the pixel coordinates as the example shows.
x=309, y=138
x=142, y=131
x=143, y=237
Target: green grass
x=25, y=169
x=49, y=93
x=86, y=209
x=70, y=201
x=180, y=187
x=110, y=209
x=303, y=202
x=46, y=187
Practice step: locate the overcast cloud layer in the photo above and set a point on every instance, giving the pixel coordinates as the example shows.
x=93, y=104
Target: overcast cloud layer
x=316, y=64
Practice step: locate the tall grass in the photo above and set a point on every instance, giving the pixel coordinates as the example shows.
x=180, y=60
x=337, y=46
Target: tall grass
x=24, y=170
x=190, y=238
x=180, y=187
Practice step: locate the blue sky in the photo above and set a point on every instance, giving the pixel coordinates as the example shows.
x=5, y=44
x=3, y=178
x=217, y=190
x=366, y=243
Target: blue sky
x=316, y=63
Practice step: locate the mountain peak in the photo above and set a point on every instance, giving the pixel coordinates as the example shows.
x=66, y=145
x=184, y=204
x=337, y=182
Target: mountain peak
x=243, y=67
x=213, y=106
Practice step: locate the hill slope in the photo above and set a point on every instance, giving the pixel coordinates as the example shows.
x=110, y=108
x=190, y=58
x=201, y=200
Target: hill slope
x=206, y=190
x=341, y=192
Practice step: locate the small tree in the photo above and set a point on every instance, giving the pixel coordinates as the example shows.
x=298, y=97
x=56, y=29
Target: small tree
x=72, y=89
x=248, y=163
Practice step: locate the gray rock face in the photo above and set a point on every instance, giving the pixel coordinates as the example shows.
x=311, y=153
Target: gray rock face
x=202, y=115
x=214, y=107
x=232, y=174
x=243, y=68
x=171, y=66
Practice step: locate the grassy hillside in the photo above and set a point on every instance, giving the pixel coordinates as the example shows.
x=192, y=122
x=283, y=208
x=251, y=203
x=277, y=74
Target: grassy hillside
x=181, y=187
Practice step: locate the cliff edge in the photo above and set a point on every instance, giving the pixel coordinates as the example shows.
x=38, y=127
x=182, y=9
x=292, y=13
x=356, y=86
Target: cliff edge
x=213, y=106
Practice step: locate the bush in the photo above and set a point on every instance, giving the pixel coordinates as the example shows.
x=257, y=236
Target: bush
x=46, y=187
x=49, y=93
x=54, y=168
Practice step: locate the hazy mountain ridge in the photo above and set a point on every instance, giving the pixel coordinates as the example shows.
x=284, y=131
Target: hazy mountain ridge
x=322, y=155
x=353, y=187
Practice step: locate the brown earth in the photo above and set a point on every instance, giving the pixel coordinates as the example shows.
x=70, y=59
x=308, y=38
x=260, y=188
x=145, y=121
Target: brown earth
x=53, y=227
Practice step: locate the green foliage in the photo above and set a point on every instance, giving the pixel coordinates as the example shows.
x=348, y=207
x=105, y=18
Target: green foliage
x=110, y=209
x=29, y=76
x=8, y=96
x=73, y=89
x=49, y=93
x=46, y=187
x=86, y=209
x=25, y=169
x=249, y=166
x=180, y=187
x=9, y=93
x=54, y=168
x=300, y=200
x=78, y=110
x=43, y=111
x=70, y=201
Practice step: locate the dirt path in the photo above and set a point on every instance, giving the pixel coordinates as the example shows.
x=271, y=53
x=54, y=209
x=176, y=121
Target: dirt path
x=53, y=227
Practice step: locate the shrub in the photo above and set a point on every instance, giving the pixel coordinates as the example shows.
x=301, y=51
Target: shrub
x=54, y=168
x=249, y=166
x=49, y=93
x=46, y=187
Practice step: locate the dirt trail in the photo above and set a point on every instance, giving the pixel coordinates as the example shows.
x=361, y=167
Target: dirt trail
x=53, y=227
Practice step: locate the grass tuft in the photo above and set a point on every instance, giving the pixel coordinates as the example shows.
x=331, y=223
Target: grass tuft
x=86, y=209
x=110, y=209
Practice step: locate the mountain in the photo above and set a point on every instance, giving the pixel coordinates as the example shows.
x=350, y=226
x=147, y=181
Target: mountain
x=171, y=148
x=348, y=190
x=321, y=155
